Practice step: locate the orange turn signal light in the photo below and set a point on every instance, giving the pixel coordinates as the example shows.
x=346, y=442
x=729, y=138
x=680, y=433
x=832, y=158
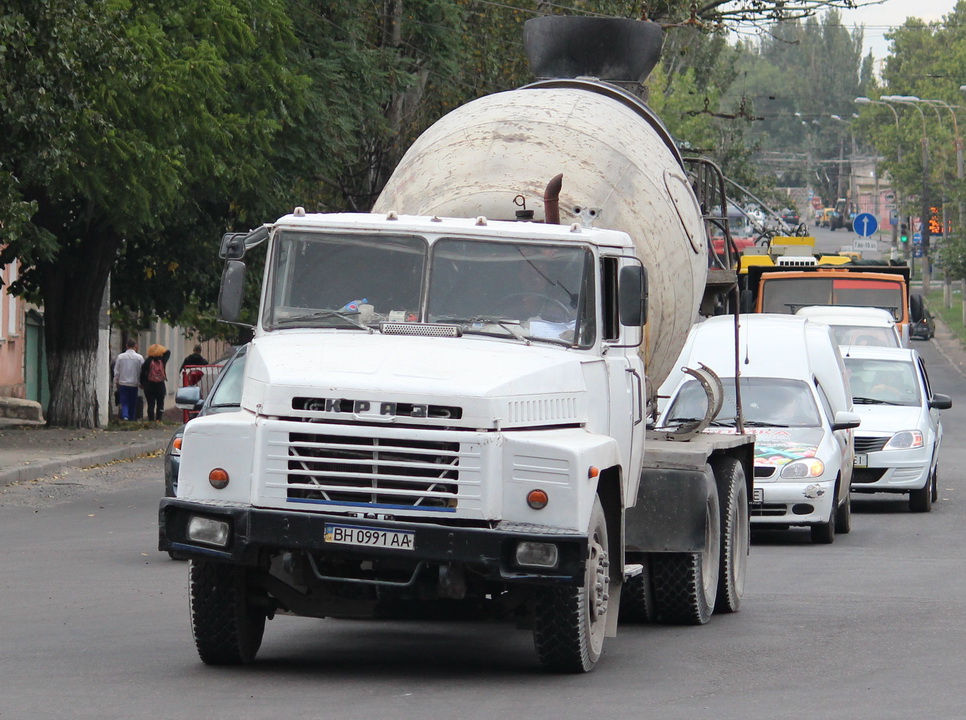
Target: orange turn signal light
x=593, y=472
x=218, y=478
x=537, y=499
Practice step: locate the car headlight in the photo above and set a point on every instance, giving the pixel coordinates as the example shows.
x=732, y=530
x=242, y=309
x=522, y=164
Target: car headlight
x=904, y=440
x=176, y=445
x=803, y=469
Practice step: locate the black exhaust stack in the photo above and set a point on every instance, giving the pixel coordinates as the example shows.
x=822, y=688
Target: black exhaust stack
x=617, y=50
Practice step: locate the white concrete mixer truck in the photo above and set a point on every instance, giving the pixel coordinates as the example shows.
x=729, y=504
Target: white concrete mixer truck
x=446, y=402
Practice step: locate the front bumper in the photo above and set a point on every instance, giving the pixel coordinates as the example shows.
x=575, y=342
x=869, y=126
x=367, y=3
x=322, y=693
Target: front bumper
x=255, y=532
x=798, y=503
x=893, y=471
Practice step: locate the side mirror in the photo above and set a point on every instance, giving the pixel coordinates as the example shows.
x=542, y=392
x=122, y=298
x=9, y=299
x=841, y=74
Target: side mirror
x=845, y=420
x=232, y=291
x=632, y=295
x=940, y=401
x=234, y=245
x=188, y=398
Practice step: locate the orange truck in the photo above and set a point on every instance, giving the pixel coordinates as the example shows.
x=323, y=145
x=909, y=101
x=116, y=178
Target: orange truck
x=786, y=289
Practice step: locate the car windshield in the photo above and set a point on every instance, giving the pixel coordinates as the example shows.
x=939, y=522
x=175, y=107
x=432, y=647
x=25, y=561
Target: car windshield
x=864, y=335
x=522, y=290
x=766, y=402
x=228, y=388
x=883, y=382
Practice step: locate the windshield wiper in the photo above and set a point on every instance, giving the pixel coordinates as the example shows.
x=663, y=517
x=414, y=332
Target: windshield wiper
x=511, y=326
x=873, y=401
x=762, y=423
x=713, y=423
x=318, y=315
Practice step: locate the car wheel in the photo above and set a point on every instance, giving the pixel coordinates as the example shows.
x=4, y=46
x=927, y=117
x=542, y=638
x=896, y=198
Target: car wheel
x=824, y=533
x=920, y=501
x=934, y=493
x=843, y=516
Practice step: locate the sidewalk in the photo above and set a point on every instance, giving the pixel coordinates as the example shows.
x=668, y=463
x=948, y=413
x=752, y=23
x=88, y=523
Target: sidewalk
x=31, y=450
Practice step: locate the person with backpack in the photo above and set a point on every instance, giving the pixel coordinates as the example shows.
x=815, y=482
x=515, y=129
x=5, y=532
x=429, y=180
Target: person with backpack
x=154, y=378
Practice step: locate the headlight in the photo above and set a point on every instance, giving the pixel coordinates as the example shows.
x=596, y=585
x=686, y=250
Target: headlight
x=904, y=440
x=802, y=469
x=176, y=445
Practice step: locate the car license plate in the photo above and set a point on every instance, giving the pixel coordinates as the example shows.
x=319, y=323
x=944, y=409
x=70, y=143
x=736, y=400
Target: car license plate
x=861, y=461
x=370, y=537
x=758, y=495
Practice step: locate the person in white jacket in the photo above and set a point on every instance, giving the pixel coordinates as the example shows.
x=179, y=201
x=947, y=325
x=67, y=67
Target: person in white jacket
x=127, y=371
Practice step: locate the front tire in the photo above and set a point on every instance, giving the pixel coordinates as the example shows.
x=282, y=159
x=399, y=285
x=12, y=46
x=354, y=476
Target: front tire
x=686, y=584
x=843, y=516
x=227, y=627
x=920, y=501
x=824, y=533
x=934, y=492
x=570, y=622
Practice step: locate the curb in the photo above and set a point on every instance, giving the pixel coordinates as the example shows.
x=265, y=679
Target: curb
x=83, y=460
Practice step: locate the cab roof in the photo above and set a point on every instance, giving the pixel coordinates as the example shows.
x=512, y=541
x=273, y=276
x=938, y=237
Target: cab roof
x=461, y=227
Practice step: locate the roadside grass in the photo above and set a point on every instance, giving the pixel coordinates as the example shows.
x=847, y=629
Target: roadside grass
x=952, y=316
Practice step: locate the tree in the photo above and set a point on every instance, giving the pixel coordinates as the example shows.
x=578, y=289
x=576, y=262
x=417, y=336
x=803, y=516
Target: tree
x=114, y=113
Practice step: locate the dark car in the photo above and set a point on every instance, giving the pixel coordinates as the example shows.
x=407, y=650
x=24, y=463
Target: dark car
x=225, y=396
x=791, y=217
x=922, y=325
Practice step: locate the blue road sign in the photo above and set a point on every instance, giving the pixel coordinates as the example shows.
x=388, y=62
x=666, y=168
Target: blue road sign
x=917, y=251
x=917, y=238
x=865, y=224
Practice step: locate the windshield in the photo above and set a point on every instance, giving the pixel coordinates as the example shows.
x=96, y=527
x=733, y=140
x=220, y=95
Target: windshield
x=884, y=382
x=865, y=335
x=343, y=280
x=546, y=291
x=766, y=402
x=522, y=290
x=788, y=294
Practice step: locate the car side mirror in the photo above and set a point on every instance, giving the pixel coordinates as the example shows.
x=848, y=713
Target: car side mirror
x=232, y=291
x=632, y=295
x=940, y=401
x=188, y=398
x=845, y=420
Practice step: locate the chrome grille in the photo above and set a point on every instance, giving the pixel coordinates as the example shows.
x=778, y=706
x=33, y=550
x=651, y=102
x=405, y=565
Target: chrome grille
x=373, y=471
x=869, y=444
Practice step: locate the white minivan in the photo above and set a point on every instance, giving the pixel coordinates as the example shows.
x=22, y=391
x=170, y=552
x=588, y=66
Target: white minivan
x=795, y=398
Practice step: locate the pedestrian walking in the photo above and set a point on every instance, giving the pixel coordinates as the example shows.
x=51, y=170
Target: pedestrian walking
x=127, y=372
x=191, y=362
x=154, y=378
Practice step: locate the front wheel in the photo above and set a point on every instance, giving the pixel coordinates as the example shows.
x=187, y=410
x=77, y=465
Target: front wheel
x=843, y=516
x=569, y=622
x=227, y=627
x=920, y=500
x=824, y=533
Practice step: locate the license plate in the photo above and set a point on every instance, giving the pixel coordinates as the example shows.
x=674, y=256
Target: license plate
x=861, y=461
x=370, y=537
x=758, y=495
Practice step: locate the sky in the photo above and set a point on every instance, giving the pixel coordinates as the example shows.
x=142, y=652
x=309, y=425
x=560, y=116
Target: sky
x=879, y=19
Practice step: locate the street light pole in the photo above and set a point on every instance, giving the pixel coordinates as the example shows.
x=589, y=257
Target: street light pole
x=925, y=211
x=895, y=187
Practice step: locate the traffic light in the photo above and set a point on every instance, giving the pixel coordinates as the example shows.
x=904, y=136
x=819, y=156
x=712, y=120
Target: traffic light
x=903, y=232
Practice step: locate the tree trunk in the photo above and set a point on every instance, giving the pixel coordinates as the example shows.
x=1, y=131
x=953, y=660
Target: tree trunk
x=72, y=289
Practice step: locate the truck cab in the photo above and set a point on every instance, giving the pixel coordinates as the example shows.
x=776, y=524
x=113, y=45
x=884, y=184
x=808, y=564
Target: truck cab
x=433, y=409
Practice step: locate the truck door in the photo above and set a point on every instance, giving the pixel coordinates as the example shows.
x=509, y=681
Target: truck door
x=625, y=373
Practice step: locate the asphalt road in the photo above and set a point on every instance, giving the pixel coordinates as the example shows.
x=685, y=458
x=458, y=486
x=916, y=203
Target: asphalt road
x=95, y=625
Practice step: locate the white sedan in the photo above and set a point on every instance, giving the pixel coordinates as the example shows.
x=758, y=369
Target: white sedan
x=897, y=444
